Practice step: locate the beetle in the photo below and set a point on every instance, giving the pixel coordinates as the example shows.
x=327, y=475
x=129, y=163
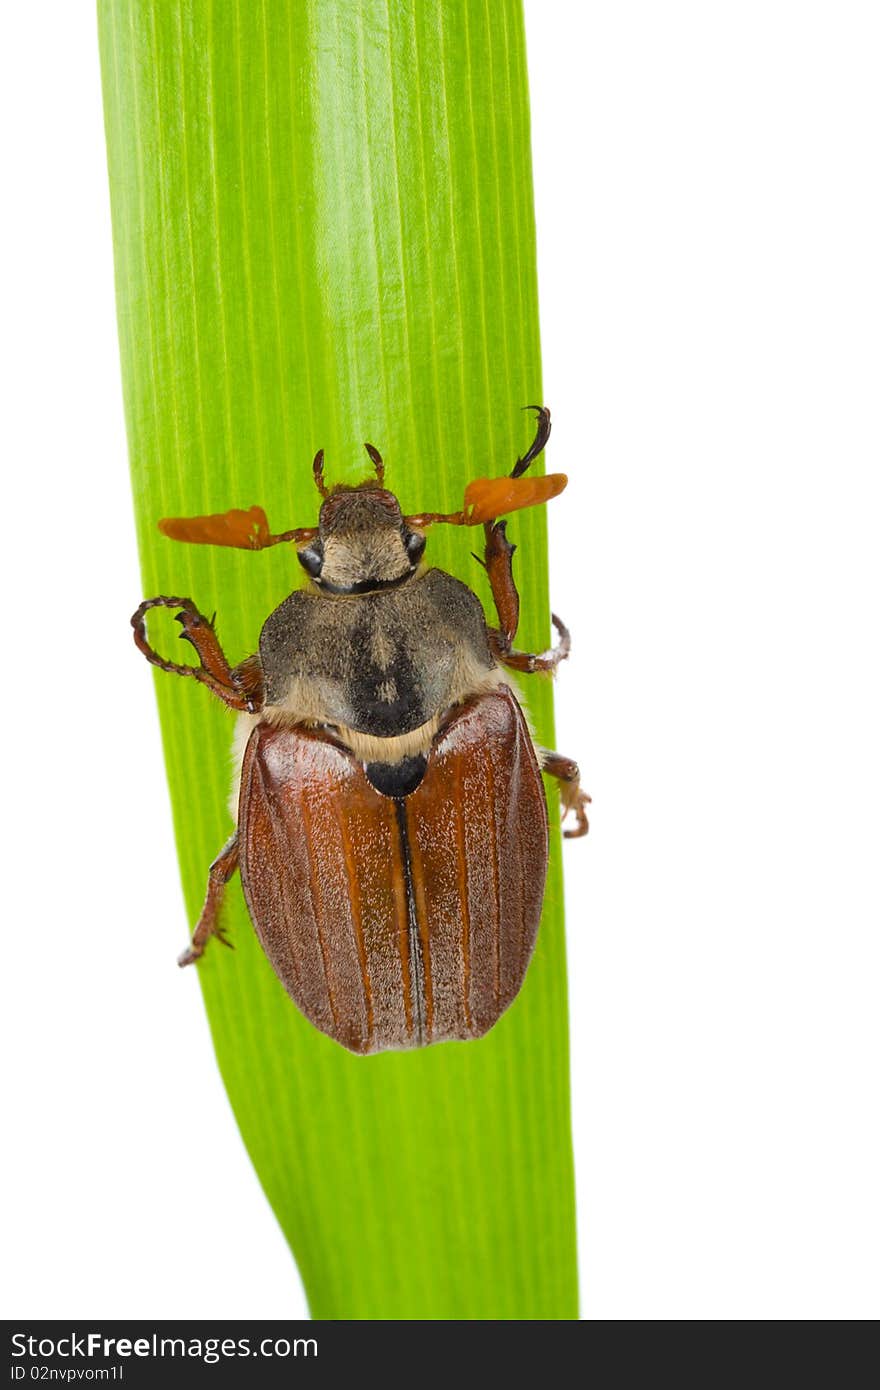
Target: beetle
x=391, y=825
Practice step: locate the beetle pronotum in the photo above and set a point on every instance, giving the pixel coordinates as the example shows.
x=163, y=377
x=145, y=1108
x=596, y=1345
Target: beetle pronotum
x=391, y=823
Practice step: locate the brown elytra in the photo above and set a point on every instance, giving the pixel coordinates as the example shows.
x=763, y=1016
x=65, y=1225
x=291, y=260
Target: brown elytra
x=395, y=922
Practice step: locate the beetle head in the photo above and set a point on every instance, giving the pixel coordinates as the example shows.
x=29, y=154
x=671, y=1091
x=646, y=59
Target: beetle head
x=363, y=543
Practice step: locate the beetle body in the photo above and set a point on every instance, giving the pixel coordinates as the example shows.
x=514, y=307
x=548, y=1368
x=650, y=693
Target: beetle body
x=392, y=830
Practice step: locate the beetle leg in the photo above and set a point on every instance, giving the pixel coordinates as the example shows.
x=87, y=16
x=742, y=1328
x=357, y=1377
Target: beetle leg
x=240, y=688
x=538, y=443
x=219, y=874
x=572, y=797
x=498, y=564
x=247, y=677
x=530, y=662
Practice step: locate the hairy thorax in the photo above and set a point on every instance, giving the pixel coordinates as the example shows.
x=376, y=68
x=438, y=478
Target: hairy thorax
x=380, y=669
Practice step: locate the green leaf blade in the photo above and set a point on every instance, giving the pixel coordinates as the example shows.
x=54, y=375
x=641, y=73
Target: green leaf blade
x=324, y=234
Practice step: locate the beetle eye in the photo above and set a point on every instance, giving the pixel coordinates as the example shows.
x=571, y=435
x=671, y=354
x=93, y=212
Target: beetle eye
x=415, y=546
x=311, y=559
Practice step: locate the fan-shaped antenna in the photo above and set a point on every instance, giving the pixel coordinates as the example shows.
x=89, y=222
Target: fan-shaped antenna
x=241, y=530
x=486, y=499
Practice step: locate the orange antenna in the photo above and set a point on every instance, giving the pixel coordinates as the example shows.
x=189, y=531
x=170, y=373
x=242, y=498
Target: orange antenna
x=486, y=499
x=241, y=530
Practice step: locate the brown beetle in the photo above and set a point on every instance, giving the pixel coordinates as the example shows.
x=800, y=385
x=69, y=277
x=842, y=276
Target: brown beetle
x=392, y=827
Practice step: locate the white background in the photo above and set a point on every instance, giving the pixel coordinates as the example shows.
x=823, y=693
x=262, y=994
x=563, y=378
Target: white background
x=709, y=225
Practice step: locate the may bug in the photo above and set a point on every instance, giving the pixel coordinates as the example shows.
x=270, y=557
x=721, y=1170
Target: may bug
x=391, y=822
